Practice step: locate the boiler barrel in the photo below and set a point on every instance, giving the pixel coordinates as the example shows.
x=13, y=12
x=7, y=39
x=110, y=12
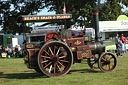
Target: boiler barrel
x=96, y=47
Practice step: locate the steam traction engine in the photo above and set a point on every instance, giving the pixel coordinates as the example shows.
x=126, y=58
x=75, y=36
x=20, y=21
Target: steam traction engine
x=55, y=55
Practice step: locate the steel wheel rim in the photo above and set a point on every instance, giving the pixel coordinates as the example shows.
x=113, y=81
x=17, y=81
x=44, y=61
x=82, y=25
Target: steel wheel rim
x=107, y=62
x=55, y=59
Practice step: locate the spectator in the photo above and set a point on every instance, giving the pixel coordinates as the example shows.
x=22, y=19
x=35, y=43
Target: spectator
x=6, y=49
x=1, y=50
x=92, y=38
x=20, y=51
x=123, y=39
x=10, y=52
x=121, y=49
x=17, y=51
x=117, y=41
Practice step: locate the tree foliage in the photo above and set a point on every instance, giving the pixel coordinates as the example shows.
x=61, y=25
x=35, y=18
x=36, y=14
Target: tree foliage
x=110, y=10
x=10, y=10
x=80, y=9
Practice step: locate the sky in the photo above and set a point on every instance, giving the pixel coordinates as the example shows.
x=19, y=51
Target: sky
x=44, y=12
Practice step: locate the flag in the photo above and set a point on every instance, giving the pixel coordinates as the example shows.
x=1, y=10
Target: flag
x=64, y=9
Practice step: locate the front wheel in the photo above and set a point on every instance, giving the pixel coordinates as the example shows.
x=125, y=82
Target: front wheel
x=107, y=62
x=55, y=58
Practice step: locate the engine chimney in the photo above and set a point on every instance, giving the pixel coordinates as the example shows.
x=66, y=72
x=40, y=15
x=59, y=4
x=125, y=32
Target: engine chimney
x=96, y=23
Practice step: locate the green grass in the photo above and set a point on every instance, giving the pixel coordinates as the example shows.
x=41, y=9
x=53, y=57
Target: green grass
x=109, y=43
x=13, y=71
x=110, y=47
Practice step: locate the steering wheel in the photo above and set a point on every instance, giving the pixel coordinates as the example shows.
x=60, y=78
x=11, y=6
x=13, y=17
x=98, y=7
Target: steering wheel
x=52, y=35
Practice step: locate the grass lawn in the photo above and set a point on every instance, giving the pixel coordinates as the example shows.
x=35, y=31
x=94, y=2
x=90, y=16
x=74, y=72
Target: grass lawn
x=13, y=71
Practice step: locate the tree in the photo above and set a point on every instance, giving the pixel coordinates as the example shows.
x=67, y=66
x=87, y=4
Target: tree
x=11, y=10
x=82, y=9
x=110, y=10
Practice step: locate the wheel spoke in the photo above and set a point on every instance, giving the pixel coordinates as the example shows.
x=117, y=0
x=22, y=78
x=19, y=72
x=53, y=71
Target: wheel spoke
x=61, y=64
x=62, y=56
x=59, y=68
x=64, y=61
x=93, y=62
x=103, y=65
x=110, y=57
x=47, y=52
x=106, y=67
x=105, y=56
x=55, y=58
x=58, y=51
x=104, y=59
x=54, y=48
x=45, y=61
x=112, y=61
x=46, y=57
x=51, y=51
x=48, y=64
x=112, y=65
x=54, y=67
x=101, y=62
x=61, y=53
x=107, y=62
x=109, y=66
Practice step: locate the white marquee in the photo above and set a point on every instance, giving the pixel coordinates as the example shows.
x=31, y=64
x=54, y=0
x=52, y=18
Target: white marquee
x=109, y=26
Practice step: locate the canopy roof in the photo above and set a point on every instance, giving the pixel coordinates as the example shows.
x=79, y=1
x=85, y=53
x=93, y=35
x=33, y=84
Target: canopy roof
x=43, y=18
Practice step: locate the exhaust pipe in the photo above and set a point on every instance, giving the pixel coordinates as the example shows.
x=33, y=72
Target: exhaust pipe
x=95, y=14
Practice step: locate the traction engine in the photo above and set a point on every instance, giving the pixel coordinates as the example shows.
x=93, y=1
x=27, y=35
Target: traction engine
x=56, y=55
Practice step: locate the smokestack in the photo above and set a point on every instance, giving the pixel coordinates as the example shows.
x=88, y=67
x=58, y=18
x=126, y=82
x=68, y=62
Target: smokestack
x=96, y=23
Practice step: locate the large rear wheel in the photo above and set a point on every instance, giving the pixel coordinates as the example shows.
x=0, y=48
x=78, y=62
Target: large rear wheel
x=55, y=58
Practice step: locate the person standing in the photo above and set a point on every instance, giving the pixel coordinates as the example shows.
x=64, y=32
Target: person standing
x=123, y=39
x=117, y=41
x=121, y=49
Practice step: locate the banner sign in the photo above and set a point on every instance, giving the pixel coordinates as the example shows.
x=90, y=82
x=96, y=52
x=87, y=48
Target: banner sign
x=113, y=23
x=46, y=17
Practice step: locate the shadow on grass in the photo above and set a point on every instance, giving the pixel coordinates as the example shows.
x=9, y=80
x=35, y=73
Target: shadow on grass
x=85, y=71
x=23, y=75
x=1, y=73
x=40, y=75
